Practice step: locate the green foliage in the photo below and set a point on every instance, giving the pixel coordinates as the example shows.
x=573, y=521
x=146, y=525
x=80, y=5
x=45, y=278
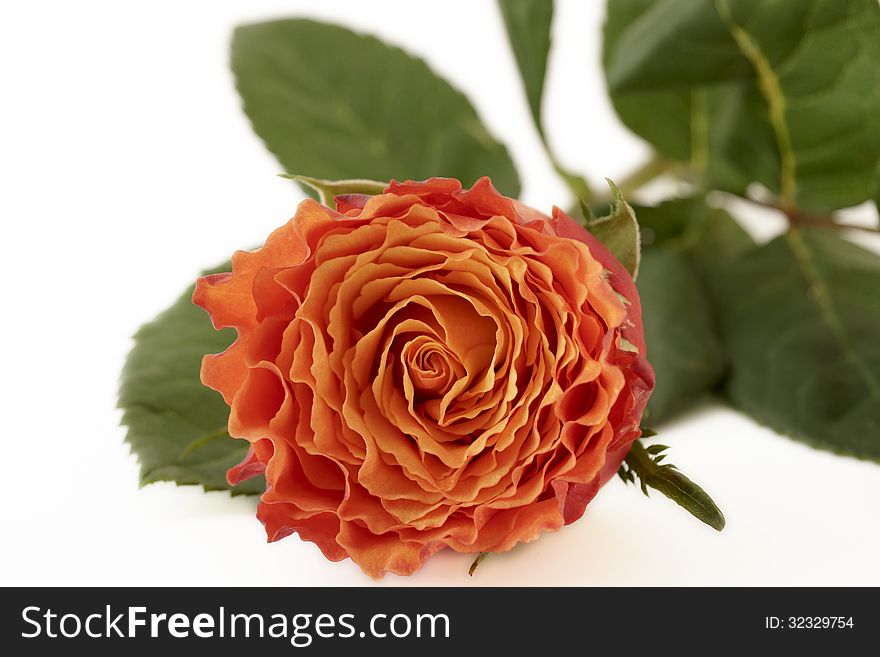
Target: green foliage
x=708, y=236
x=683, y=344
x=528, y=24
x=786, y=94
x=645, y=466
x=327, y=190
x=337, y=105
x=801, y=320
x=683, y=238
x=177, y=426
x=619, y=232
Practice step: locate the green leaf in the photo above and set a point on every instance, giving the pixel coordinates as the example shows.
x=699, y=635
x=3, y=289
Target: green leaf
x=645, y=464
x=342, y=105
x=619, y=231
x=528, y=27
x=802, y=326
x=683, y=343
x=177, y=426
x=690, y=33
x=528, y=24
x=330, y=189
x=780, y=93
x=708, y=236
x=683, y=238
x=681, y=120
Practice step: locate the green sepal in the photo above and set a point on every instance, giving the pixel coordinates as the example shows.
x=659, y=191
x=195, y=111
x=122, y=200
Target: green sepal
x=329, y=189
x=618, y=231
x=645, y=464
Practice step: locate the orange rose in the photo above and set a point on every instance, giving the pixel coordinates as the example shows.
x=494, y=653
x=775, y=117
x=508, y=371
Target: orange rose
x=426, y=368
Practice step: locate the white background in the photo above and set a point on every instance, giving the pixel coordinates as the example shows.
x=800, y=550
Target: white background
x=126, y=166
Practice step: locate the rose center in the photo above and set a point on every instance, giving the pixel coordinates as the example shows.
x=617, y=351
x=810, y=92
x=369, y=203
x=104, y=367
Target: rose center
x=431, y=367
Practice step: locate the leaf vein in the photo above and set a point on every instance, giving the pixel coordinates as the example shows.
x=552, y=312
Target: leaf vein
x=827, y=308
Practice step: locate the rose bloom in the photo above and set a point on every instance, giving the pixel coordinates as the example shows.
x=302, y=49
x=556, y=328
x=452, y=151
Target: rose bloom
x=426, y=368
